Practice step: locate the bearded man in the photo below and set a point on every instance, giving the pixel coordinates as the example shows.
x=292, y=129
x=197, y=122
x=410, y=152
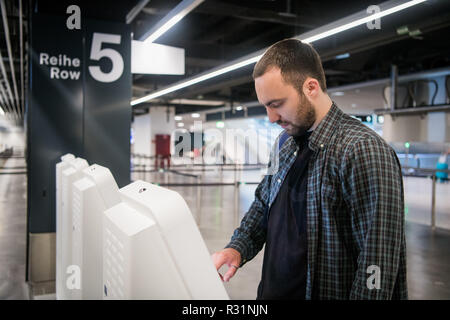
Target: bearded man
x=332, y=216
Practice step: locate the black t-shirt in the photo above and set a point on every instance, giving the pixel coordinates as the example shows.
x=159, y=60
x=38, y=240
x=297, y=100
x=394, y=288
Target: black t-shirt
x=285, y=257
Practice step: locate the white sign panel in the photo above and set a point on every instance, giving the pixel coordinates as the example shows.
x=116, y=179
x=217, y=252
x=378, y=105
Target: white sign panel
x=152, y=58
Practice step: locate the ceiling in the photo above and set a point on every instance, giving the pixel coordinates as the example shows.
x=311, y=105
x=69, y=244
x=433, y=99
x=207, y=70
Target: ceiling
x=217, y=32
x=13, y=56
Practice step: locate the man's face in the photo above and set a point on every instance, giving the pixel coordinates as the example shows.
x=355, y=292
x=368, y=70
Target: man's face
x=284, y=104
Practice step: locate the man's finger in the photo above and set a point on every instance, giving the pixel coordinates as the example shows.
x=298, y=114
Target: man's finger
x=230, y=273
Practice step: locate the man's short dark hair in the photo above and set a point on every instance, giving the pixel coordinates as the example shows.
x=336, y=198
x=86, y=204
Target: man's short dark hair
x=296, y=60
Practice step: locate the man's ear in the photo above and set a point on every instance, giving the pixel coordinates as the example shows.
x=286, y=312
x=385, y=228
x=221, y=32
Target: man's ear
x=311, y=87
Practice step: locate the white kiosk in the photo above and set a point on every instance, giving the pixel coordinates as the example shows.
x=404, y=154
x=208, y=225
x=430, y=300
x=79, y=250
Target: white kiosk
x=70, y=174
x=154, y=250
x=139, y=242
x=94, y=193
x=64, y=164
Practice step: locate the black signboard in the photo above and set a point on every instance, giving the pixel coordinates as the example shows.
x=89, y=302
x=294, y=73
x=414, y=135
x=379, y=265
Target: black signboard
x=79, y=103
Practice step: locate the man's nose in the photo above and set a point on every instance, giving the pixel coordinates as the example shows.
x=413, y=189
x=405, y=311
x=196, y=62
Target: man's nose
x=273, y=115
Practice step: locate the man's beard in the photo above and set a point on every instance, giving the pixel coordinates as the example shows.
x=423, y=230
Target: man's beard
x=304, y=118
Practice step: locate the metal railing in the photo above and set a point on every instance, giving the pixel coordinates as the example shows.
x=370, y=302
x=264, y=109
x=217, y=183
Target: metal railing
x=143, y=169
x=237, y=168
x=431, y=174
x=11, y=153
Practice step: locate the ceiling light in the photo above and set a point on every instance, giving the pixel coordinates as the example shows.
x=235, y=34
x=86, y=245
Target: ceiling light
x=180, y=124
x=361, y=21
x=239, y=108
x=252, y=58
x=172, y=18
x=342, y=56
x=178, y=118
x=197, y=102
x=2, y=113
x=195, y=115
x=205, y=76
x=337, y=94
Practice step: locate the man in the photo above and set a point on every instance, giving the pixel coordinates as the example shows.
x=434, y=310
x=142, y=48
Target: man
x=332, y=216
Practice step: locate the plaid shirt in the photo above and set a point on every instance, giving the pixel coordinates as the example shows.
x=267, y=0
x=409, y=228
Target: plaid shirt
x=355, y=211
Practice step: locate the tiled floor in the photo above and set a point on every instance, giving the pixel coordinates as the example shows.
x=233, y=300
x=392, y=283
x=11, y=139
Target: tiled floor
x=13, y=215
x=428, y=254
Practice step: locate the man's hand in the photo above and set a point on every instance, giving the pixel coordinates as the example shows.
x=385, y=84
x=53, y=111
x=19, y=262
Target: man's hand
x=228, y=256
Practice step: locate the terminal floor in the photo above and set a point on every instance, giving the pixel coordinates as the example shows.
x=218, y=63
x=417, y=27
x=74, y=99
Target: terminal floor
x=214, y=211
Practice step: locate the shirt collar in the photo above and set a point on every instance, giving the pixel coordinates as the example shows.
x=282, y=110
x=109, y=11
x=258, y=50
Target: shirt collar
x=304, y=138
x=325, y=130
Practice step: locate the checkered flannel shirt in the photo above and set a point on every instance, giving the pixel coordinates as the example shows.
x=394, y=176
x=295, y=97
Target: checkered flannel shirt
x=355, y=211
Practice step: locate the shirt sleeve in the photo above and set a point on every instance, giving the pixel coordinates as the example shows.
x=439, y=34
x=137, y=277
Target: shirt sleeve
x=249, y=238
x=373, y=189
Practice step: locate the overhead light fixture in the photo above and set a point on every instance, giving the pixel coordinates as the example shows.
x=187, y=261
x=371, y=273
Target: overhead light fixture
x=178, y=118
x=197, y=102
x=172, y=18
x=2, y=113
x=195, y=115
x=239, y=108
x=309, y=37
x=180, y=124
x=338, y=93
x=361, y=21
x=197, y=79
x=342, y=56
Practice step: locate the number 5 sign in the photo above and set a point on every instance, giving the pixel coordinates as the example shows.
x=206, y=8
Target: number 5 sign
x=97, y=53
